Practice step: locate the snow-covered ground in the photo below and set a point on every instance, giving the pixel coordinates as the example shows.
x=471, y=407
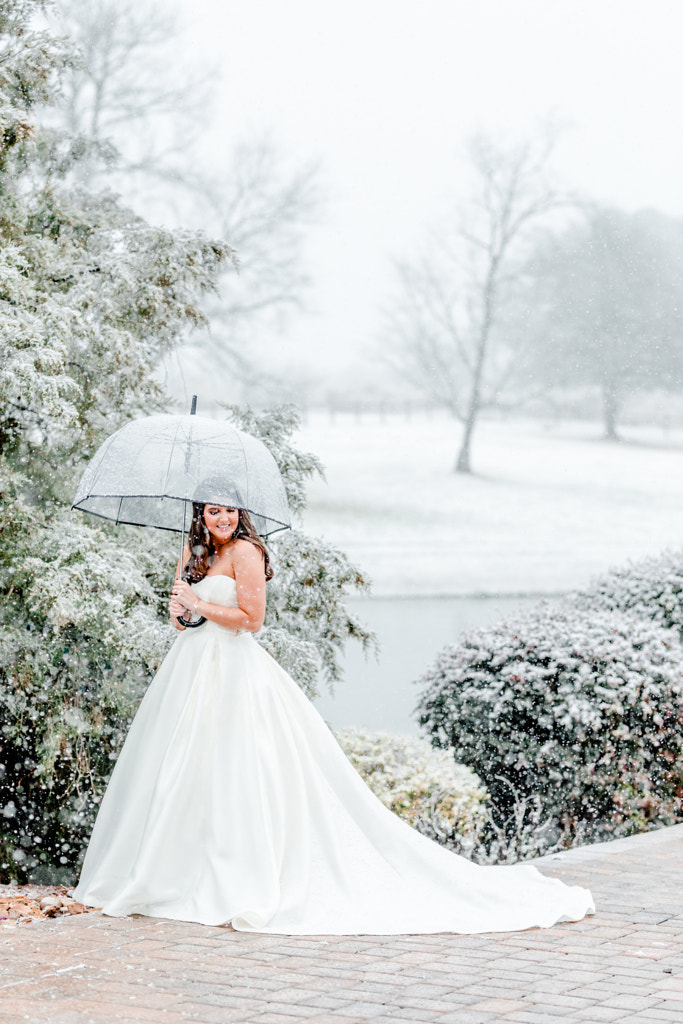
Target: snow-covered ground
x=548, y=506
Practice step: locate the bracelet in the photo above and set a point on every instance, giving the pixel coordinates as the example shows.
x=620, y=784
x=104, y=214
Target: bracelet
x=196, y=606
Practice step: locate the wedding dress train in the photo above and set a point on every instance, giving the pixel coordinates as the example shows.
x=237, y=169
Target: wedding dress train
x=231, y=802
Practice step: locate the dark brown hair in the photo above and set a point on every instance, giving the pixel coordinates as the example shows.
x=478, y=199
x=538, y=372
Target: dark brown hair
x=202, y=545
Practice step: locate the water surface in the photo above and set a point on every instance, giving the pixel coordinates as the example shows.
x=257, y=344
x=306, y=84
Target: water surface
x=380, y=694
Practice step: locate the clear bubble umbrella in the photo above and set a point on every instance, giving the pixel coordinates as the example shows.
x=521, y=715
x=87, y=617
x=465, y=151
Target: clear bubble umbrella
x=151, y=471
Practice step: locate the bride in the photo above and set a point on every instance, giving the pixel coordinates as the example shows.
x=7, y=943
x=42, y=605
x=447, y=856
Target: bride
x=232, y=803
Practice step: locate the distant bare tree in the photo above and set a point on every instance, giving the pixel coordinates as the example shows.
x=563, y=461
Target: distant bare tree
x=446, y=329
x=606, y=305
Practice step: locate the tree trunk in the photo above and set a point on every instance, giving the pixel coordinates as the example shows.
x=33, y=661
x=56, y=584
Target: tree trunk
x=610, y=408
x=462, y=464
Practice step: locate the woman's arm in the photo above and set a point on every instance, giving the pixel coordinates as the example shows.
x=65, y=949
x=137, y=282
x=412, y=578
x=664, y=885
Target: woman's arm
x=250, y=578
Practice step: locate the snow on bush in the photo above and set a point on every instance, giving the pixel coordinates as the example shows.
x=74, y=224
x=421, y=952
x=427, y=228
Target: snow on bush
x=519, y=833
x=581, y=708
x=412, y=779
x=651, y=588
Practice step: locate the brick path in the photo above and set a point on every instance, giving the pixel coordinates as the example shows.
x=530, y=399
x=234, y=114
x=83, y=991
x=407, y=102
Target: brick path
x=626, y=964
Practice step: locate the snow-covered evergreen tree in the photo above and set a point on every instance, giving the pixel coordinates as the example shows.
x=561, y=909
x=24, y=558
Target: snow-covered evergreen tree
x=91, y=296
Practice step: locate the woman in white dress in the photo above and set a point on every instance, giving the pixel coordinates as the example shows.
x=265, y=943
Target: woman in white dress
x=232, y=803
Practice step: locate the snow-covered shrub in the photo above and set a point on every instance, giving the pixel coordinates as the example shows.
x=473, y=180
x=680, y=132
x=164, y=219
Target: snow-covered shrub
x=447, y=801
x=518, y=833
x=412, y=779
x=583, y=708
x=651, y=588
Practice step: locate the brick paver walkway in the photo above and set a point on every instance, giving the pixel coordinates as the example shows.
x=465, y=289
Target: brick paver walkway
x=625, y=964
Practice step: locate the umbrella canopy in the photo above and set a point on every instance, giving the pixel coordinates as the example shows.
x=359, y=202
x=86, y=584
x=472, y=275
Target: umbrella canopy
x=149, y=472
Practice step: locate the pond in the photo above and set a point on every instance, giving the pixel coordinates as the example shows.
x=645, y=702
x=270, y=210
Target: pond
x=380, y=693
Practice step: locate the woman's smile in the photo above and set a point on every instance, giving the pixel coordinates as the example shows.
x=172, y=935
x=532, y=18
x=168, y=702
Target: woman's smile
x=221, y=521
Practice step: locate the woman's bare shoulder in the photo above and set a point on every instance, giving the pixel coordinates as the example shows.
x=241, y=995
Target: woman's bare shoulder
x=244, y=549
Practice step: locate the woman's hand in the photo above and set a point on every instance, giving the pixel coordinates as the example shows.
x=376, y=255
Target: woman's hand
x=183, y=600
x=185, y=596
x=176, y=609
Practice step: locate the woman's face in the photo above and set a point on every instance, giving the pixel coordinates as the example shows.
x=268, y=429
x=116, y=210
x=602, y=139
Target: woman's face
x=221, y=522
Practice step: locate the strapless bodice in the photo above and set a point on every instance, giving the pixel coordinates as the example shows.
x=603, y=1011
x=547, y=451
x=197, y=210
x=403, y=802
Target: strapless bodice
x=217, y=590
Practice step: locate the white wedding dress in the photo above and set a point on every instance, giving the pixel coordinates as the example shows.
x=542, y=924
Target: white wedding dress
x=231, y=802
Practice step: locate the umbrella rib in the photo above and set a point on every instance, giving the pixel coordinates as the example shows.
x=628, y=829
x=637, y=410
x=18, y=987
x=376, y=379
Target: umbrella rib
x=168, y=467
x=246, y=474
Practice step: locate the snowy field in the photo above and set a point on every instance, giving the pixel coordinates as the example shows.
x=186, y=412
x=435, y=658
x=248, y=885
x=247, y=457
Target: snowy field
x=548, y=507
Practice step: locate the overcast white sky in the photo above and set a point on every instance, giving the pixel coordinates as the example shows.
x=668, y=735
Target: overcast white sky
x=385, y=92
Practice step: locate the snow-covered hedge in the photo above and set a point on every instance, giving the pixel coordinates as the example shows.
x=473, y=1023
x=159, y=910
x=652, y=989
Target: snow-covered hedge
x=651, y=588
x=413, y=779
x=580, y=707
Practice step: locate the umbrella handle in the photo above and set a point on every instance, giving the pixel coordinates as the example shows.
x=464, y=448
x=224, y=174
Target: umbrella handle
x=190, y=624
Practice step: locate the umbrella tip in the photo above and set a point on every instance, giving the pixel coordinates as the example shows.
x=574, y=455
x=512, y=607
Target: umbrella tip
x=193, y=409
